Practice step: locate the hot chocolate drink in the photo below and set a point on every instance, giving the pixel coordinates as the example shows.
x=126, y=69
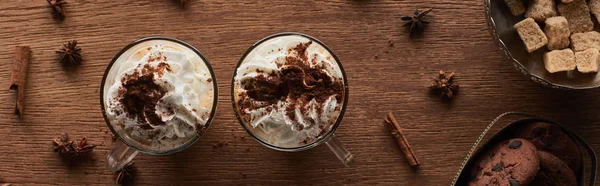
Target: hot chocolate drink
x=289, y=91
x=158, y=95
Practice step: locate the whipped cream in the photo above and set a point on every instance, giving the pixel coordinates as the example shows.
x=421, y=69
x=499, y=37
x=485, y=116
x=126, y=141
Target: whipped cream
x=289, y=120
x=175, y=99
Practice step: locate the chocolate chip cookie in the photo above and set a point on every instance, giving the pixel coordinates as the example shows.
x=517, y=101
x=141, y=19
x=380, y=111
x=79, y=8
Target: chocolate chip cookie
x=551, y=138
x=553, y=172
x=510, y=163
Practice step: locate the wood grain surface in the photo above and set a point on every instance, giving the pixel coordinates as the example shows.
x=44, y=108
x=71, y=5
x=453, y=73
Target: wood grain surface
x=382, y=78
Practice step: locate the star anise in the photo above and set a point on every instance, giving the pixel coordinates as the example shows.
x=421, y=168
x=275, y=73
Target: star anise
x=444, y=85
x=415, y=21
x=57, y=9
x=70, y=149
x=125, y=174
x=70, y=53
x=62, y=145
x=82, y=147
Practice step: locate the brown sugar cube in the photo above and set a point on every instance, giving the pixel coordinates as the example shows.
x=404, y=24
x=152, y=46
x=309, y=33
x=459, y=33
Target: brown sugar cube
x=595, y=8
x=586, y=40
x=587, y=60
x=557, y=31
x=541, y=9
x=578, y=15
x=560, y=60
x=516, y=7
x=531, y=34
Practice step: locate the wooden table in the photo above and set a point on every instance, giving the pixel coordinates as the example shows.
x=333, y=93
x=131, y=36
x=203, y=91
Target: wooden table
x=382, y=78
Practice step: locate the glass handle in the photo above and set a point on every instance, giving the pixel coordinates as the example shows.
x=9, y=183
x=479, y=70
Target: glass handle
x=340, y=151
x=120, y=156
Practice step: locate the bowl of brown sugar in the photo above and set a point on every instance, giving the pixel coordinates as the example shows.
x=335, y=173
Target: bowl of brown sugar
x=553, y=42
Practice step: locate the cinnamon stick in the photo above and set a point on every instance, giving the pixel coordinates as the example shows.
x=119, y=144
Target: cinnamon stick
x=401, y=140
x=18, y=78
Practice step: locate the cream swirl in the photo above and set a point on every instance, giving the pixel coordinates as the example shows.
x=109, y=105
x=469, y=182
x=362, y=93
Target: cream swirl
x=160, y=100
x=286, y=112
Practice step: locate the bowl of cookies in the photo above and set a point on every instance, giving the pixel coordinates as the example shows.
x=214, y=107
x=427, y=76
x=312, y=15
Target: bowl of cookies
x=530, y=151
x=554, y=42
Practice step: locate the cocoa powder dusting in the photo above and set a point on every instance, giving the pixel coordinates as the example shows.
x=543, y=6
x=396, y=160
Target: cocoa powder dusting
x=264, y=88
x=301, y=50
x=297, y=83
x=139, y=95
x=139, y=98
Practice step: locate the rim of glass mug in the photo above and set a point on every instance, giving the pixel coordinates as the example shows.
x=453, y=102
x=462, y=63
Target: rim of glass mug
x=322, y=139
x=212, y=112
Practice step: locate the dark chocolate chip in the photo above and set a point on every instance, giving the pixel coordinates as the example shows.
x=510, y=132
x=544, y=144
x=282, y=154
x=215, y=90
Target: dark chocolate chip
x=498, y=167
x=515, y=144
x=502, y=153
x=513, y=182
x=491, y=154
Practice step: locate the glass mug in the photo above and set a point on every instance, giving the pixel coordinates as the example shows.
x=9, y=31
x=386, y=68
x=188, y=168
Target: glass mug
x=267, y=126
x=162, y=139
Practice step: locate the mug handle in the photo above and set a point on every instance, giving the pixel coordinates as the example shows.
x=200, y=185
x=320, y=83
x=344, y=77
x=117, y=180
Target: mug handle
x=340, y=151
x=119, y=156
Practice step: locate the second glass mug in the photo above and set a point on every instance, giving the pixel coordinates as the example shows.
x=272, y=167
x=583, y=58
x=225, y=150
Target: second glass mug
x=126, y=148
x=328, y=138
